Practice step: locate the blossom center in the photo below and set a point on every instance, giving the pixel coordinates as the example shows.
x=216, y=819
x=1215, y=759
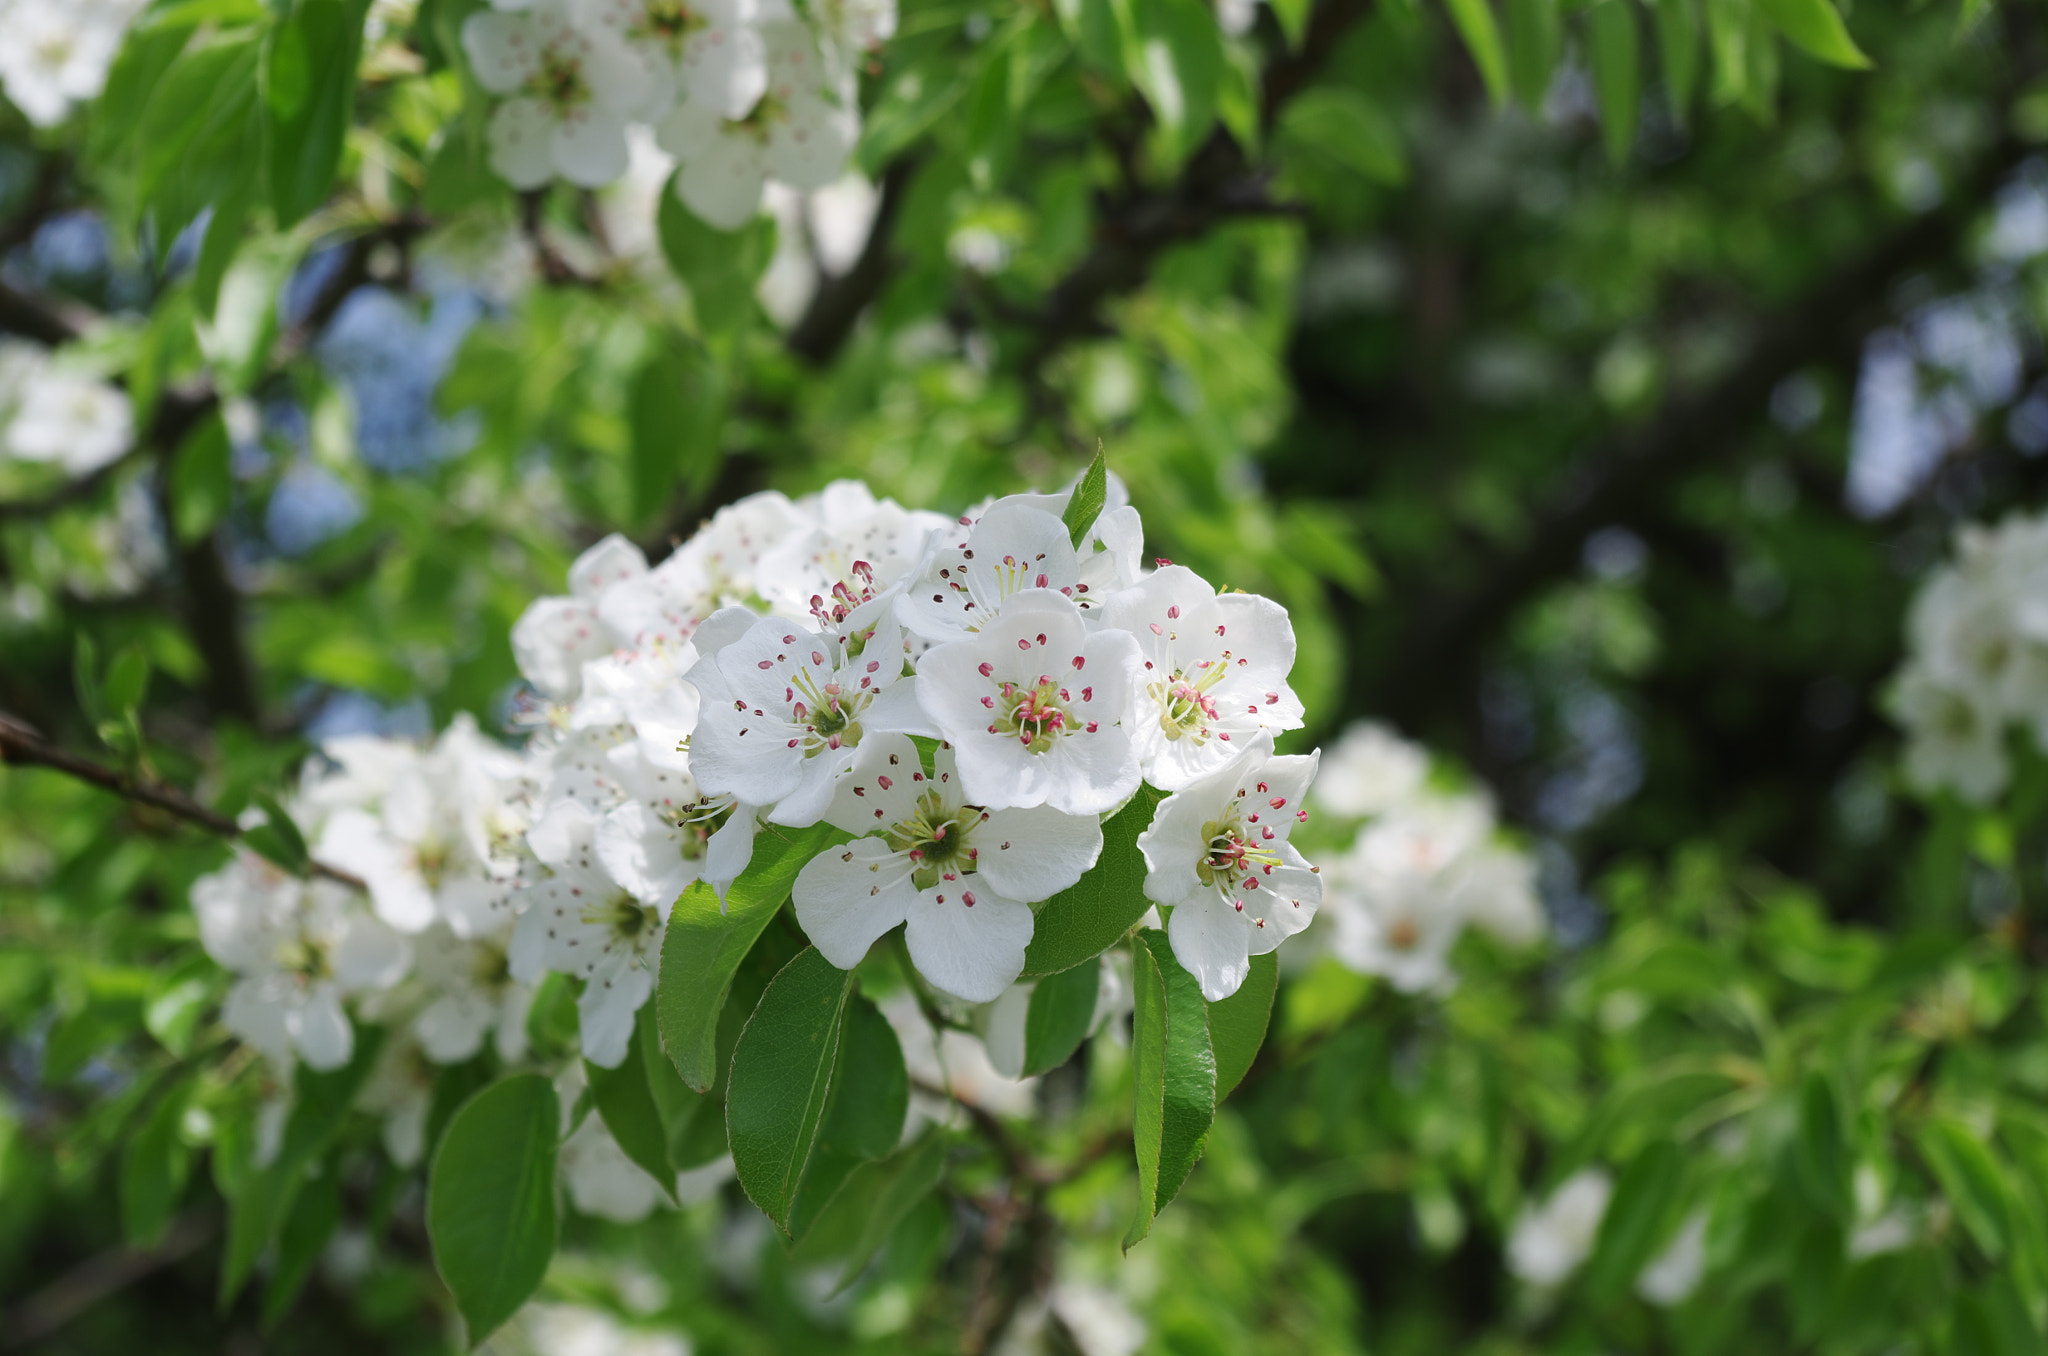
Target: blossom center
x=936, y=839
x=1034, y=715
x=669, y=23
x=560, y=82
x=1237, y=852
x=828, y=712
x=624, y=917
x=700, y=821
x=1185, y=706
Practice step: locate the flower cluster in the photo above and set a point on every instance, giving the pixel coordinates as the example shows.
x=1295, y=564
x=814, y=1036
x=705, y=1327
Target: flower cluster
x=57, y=52
x=741, y=92
x=52, y=413
x=1977, y=661
x=1424, y=863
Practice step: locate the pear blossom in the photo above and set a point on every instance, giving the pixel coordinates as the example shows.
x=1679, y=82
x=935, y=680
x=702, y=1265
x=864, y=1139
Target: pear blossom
x=1551, y=1240
x=962, y=876
x=1016, y=544
x=571, y=90
x=1977, y=660
x=432, y=835
x=706, y=52
x=1033, y=704
x=785, y=708
x=1674, y=1273
x=52, y=414
x=298, y=949
x=1370, y=770
x=580, y=922
x=1218, y=854
x=556, y=636
x=400, y=1092
x=58, y=53
x=1214, y=672
x=716, y=568
x=602, y=1181
x=801, y=132
x=1393, y=907
x=467, y=993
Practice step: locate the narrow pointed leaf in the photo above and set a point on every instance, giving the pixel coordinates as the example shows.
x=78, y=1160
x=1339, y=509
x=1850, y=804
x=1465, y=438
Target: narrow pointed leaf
x=1174, y=1068
x=1816, y=27
x=1089, y=497
x=1617, y=73
x=1481, y=31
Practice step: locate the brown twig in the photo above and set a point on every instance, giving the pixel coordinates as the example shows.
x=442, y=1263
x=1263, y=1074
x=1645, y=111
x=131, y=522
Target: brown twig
x=24, y=747
x=96, y=1278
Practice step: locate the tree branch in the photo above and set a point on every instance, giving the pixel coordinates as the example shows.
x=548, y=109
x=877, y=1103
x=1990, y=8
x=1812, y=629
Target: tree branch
x=839, y=301
x=22, y=746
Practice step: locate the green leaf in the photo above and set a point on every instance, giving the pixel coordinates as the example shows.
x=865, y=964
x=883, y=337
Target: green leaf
x=1617, y=73
x=278, y=839
x=1237, y=1025
x=127, y=681
x=85, y=679
x=678, y=410
x=320, y=1106
x=864, y=1113
x=1678, y=44
x=719, y=267
x=312, y=1221
x=155, y=1165
x=173, y=1013
x=1061, y=1010
x=1091, y=916
x=1816, y=27
x=1336, y=126
x=1971, y=1179
x=876, y=1199
x=1085, y=505
x=454, y=1084
x=626, y=1102
x=781, y=1076
x=146, y=55
x=491, y=1199
x=1535, y=43
x=1173, y=54
x=1820, y=1151
x=1481, y=31
x=1637, y=1221
x=1173, y=1071
x=1992, y=1320
x=705, y=945
x=197, y=136
x=1293, y=17
x=202, y=485
x=309, y=87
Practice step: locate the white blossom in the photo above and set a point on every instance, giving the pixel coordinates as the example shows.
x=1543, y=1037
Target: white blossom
x=56, y=415
x=801, y=132
x=571, y=89
x=707, y=53
x=297, y=949
x=1217, y=854
x=57, y=52
x=785, y=708
x=1033, y=703
x=556, y=636
x=1214, y=673
x=1674, y=1273
x=602, y=1181
x=578, y=921
x=963, y=877
x=1551, y=1240
x=1369, y=771
x=1015, y=545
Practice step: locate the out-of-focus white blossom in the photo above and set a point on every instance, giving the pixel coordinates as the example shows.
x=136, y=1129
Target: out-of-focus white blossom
x=56, y=53
x=1553, y=1239
x=1977, y=660
x=53, y=414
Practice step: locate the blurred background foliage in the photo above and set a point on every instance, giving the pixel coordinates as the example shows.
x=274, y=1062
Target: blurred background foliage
x=1592, y=383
